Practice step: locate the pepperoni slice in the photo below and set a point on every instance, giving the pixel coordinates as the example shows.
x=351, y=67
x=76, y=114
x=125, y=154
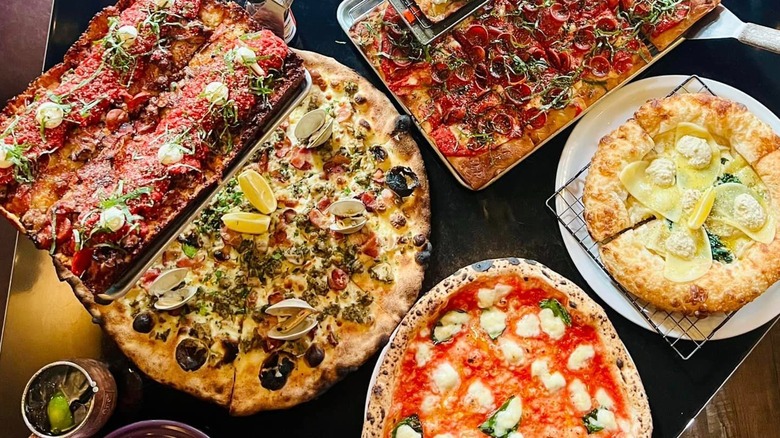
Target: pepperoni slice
x=584, y=39
x=440, y=72
x=517, y=93
x=599, y=66
x=465, y=72
x=454, y=115
x=476, y=54
x=477, y=35
x=622, y=62
x=498, y=68
x=607, y=23
x=559, y=13
x=502, y=123
x=400, y=58
x=503, y=43
x=535, y=118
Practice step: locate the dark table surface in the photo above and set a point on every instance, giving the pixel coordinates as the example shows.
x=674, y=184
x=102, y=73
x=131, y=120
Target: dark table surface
x=507, y=219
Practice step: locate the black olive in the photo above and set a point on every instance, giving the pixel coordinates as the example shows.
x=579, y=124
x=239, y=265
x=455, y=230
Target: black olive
x=402, y=180
x=378, y=152
x=143, y=322
x=190, y=239
x=419, y=239
x=314, y=355
x=191, y=354
x=402, y=124
x=221, y=255
x=231, y=351
x=424, y=255
x=275, y=371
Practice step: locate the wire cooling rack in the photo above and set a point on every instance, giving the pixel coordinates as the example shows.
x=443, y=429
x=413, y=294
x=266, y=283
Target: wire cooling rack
x=685, y=334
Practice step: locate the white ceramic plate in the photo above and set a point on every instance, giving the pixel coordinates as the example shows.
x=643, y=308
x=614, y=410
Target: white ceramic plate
x=607, y=115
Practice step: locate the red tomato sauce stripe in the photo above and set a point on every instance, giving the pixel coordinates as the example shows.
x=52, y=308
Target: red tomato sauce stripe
x=485, y=361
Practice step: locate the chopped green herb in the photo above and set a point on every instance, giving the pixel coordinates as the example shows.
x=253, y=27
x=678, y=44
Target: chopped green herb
x=720, y=252
x=412, y=421
x=727, y=178
x=557, y=309
x=511, y=413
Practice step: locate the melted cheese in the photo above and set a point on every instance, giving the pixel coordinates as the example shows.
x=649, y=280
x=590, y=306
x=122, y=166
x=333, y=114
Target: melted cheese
x=606, y=419
x=423, y=354
x=732, y=208
x=528, y=326
x=683, y=269
x=551, y=381
x=406, y=431
x=508, y=418
x=697, y=157
x=580, y=356
x=603, y=399
x=553, y=326
x=488, y=297
x=665, y=201
x=480, y=396
x=513, y=353
x=493, y=321
x=451, y=324
x=445, y=377
x=578, y=393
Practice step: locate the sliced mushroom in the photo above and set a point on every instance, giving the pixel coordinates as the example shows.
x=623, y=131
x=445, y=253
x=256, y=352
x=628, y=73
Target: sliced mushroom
x=314, y=128
x=191, y=354
x=276, y=370
x=402, y=180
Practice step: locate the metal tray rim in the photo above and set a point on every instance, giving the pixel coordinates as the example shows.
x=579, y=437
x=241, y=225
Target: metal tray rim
x=346, y=22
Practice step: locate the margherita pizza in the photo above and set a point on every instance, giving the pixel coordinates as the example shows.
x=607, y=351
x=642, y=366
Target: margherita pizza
x=507, y=348
x=148, y=109
x=504, y=80
x=683, y=199
x=299, y=269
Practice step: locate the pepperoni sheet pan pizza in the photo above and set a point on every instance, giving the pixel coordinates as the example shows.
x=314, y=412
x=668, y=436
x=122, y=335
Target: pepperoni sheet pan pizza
x=510, y=76
x=507, y=348
x=149, y=107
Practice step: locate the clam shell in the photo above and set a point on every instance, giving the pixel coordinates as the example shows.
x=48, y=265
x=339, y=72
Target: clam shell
x=288, y=307
x=296, y=332
x=173, y=299
x=347, y=208
x=167, y=281
x=348, y=225
x=314, y=128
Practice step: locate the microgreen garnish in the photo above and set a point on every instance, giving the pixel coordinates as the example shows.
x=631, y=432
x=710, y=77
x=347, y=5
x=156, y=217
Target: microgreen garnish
x=116, y=55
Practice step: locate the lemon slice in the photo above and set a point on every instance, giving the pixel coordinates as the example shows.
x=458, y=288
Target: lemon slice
x=248, y=223
x=257, y=191
x=60, y=417
x=702, y=209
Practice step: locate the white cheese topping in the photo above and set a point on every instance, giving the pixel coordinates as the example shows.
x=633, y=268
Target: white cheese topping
x=513, y=353
x=170, y=153
x=445, y=377
x=451, y=324
x=681, y=244
x=507, y=418
x=553, y=382
x=580, y=356
x=689, y=198
x=479, y=395
x=514, y=434
x=551, y=324
x=696, y=150
x=127, y=35
x=493, y=321
x=49, y=115
x=488, y=297
x=662, y=172
x=5, y=162
x=603, y=399
x=606, y=419
x=528, y=326
x=247, y=57
x=445, y=435
x=112, y=218
x=216, y=93
x=406, y=431
x=423, y=354
x=429, y=403
x=580, y=398
x=748, y=212
x=539, y=368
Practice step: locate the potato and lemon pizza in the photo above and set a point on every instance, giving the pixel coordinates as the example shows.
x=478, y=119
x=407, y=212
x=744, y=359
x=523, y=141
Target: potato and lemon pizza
x=683, y=198
x=506, y=349
x=299, y=269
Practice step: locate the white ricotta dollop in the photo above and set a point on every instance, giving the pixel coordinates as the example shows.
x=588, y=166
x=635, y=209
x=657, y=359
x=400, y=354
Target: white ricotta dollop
x=578, y=393
x=423, y=354
x=480, y=396
x=696, y=150
x=5, y=161
x=662, y=172
x=445, y=377
x=49, y=115
x=127, y=35
x=406, y=431
x=528, y=326
x=689, y=199
x=488, y=297
x=216, y=93
x=551, y=324
x=513, y=353
x=493, y=321
x=580, y=357
x=509, y=417
x=112, y=218
x=748, y=212
x=681, y=244
x=170, y=153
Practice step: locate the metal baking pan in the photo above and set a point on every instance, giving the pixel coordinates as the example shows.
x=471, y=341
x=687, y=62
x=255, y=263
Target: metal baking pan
x=156, y=247
x=352, y=11
x=426, y=31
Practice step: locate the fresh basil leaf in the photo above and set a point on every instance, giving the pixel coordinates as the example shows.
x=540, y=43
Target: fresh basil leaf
x=189, y=250
x=412, y=421
x=591, y=423
x=557, y=309
x=489, y=426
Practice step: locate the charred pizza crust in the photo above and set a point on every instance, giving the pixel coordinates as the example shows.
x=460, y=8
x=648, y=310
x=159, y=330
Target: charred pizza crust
x=535, y=275
x=725, y=287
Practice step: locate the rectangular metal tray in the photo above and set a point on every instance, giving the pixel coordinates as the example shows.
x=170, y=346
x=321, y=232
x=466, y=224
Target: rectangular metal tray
x=175, y=228
x=426, y=31
x=351, y=11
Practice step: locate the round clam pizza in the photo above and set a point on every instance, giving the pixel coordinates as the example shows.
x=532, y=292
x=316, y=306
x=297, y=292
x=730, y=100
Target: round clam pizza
x=507, y=349
x=299, y=268
x=684, y=201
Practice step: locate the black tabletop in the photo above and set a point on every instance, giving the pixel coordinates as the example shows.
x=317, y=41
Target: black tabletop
x=507, y=219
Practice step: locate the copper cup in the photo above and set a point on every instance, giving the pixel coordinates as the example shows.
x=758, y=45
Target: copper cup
x=102, y=402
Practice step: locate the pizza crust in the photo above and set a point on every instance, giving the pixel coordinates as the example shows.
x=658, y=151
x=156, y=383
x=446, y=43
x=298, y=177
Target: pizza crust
x=535, y=275
x=437, y=13
x=698, y=8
